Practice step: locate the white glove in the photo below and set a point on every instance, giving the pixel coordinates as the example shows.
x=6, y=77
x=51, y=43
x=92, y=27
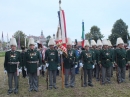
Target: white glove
x=47, y=64
x=20, y=70
x=76, y=66
x=93, y=66
x=5, y=71
x=61, y=52
x=58, y=68
x=25, y=69
x=81, y=65
x=39, y=68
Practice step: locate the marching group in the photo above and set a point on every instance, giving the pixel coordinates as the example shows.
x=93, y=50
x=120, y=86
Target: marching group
x=95, y=59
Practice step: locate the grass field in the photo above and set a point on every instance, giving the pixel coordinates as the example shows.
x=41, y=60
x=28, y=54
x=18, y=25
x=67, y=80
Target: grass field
x=108, y=90
x=2, y=54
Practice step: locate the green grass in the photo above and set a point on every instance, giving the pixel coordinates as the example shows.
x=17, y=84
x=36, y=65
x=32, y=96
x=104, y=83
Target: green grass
x=2, y=54
x=108, y=90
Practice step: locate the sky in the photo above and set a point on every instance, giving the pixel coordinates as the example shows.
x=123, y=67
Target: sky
x=32, y=16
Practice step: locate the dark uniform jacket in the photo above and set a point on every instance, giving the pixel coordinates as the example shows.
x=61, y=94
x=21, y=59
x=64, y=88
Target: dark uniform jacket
x=120, y=57
x=12, y=56
x=106, y=58
x=33, y=60
x=71, y=60
x=51, y=57
x=87, y=58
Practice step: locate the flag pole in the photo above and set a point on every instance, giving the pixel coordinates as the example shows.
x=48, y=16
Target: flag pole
x=62, y=67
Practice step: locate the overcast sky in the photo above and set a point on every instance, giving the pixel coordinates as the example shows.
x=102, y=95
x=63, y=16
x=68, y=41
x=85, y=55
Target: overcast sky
x=32, y=16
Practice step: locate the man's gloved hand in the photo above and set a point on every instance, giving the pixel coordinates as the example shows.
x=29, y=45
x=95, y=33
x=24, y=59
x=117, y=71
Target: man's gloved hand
x=5, y=71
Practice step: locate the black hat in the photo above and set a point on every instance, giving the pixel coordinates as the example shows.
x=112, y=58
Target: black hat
x=23, y=47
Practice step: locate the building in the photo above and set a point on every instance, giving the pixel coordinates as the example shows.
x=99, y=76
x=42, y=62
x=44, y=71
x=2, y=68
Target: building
x=40, y=38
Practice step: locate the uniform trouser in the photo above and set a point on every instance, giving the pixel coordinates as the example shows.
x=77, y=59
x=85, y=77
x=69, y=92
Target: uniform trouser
x=87, y=72
x=52, y=78
x=94, y=72
x=70, y=71
x=77, y=69
x=42, y=70
x=97, y=71
x=121, y=73
x=33, y=81
x=112, y=70
x=106, y=73
x=10, y=78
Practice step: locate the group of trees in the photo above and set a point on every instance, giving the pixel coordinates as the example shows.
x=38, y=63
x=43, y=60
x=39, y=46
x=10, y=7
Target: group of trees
x=120, y=29
x=20, y=38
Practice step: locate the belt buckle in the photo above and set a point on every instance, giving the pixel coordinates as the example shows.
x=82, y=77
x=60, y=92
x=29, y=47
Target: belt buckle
x=88, y=61
x=123, y=58
x=51, y=59
x=107, y=59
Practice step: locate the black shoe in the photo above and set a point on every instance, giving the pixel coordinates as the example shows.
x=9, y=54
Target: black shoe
x=30, y=90
x=109, y=82
x=119, y=82
x=36, y=90
x=55, y=87
x=91, y=85
x=84, y=85
x=72, y=86
x=67, y=86
x=15, y=91
x=9, y=92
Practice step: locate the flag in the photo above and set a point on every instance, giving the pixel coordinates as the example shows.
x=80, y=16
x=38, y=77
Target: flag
x=62, y=24
x=19, y=42
x=2, y=37
x=83, y=35
x=7, y=38
x=62, y=30
x=59, y=41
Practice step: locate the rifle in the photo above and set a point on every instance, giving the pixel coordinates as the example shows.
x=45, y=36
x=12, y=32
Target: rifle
x=117, y=74
x=17, y=68
x=47, y=78
x=62, y=73
x=129, y=70
x=81, y=76
x=101, y=75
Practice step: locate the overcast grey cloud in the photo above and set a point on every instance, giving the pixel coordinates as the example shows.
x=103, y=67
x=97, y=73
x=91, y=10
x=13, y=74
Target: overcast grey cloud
x=32, y=16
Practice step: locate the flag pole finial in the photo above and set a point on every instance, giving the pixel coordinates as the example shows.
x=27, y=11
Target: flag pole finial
x=59, y=3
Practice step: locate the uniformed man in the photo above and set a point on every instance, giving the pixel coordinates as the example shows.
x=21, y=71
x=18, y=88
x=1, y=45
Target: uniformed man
x=33, y=62
x=11, y=65
x=77, y=55
x=23, y=61
x=70, y=63
x=94, y=51
x=42, y=50
x=121, y=59
x=98, y=69
x=106, y=59
x=87, y=59
x=113, y=53
x=51, y=59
